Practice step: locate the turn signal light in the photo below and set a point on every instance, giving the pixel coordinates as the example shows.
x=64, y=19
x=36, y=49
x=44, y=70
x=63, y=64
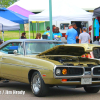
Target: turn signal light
x=64, y=80
x=64, y=71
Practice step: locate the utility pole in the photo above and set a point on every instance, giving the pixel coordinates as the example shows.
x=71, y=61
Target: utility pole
x=50, y=17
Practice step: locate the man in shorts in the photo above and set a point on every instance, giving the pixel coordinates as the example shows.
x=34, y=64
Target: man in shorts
x=84, y=37
x=71, y=35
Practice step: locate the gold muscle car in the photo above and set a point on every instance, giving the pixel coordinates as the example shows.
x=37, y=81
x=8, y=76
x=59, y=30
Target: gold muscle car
x=46, y=63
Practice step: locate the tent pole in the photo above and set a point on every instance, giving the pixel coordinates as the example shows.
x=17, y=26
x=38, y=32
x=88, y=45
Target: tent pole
x=24, y=27
x=36, y=27
x=32, y=31
x=2, y=36
x=92, y=33
x=44, y=26
x=19, y=34
x=50, y=17
x=29, y=29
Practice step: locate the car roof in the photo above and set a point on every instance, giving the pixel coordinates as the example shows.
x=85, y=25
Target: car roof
x=28, y=40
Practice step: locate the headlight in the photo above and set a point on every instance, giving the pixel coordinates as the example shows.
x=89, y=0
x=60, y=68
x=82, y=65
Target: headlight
x=58, y=71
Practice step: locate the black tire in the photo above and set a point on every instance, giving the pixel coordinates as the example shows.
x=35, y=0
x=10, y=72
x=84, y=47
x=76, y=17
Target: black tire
x=91, y=89
x=39, y=88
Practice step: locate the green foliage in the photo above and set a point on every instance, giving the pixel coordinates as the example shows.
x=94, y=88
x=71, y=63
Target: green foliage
x=6, y=3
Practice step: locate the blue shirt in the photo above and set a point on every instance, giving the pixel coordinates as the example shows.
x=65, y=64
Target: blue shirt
x=71, y=36
x=96, y=27
x=47, y=33
x=57, y=36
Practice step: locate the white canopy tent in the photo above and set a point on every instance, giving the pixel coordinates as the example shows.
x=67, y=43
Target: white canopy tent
x=63, y=11
x=8, y=25
x=40, y=5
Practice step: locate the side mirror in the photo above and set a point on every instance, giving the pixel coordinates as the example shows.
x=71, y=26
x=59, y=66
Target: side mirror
x=15, y=52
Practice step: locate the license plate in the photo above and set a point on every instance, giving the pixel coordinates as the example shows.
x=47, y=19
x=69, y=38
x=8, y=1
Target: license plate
x=86, y=80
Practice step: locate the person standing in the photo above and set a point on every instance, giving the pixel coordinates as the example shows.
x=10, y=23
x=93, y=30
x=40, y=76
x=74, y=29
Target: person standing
x=47, y=32
x=71, y=35
x=53, y=28
x=57, y=35
x=23, y=36
x=38, y=36
x=84, y=37
x=78, y=31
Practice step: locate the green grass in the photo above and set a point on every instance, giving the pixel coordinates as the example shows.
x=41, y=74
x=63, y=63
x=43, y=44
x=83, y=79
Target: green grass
x=8, y=35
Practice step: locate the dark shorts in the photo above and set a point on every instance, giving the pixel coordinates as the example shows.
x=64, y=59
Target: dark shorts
x=77, y=40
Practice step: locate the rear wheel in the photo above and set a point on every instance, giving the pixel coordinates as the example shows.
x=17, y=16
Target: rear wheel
x=39, y=88
x=91, y=89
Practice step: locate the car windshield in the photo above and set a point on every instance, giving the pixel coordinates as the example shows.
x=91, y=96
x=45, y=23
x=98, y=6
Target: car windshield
x=33, y=48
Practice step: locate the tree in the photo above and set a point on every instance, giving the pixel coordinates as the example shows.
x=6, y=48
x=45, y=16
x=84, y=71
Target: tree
x=6, y=3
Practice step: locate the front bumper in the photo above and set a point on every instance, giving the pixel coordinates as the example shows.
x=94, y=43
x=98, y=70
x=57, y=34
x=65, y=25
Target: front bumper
x=92, y=73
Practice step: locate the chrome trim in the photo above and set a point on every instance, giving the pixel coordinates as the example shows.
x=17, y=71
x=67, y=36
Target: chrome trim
x=24, y=66
x=78, y=76
x=93, y=69
x=71, y=82
x=79, y=82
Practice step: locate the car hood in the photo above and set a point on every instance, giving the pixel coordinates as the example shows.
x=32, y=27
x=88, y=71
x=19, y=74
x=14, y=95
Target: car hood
x=72, y=49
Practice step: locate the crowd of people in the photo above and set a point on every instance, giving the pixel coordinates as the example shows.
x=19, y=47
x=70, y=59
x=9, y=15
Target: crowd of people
x=76, y=35
x=73, y=34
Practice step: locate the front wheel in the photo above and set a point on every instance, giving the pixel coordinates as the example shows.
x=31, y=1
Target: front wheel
x=39, y=88
x=91, y=89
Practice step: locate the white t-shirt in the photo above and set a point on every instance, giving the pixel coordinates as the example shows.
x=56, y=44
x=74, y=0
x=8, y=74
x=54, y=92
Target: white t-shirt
x=84, y=37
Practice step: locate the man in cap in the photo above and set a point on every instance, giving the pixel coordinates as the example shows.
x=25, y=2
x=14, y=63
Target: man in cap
x=78, y=31
x=71, y=35
x=84, y=37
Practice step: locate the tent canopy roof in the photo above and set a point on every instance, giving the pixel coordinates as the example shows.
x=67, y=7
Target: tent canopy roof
x=20, y=10
x=12, y=16
x=40, y=5
x=8, y=25
x=63, y=11
x=96, y=12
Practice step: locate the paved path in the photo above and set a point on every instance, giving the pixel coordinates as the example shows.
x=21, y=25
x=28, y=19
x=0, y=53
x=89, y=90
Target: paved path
x=21, y=91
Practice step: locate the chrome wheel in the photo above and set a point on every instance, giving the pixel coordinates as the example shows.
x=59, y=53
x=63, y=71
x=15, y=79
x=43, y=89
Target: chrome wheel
x=39, y=88
x=36, y=83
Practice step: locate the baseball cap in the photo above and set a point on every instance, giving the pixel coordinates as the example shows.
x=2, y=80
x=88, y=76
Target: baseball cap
x=84, y=28
x=73, y=24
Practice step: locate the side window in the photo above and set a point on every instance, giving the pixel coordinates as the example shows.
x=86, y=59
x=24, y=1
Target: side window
x=21, y=49
x=9, y=48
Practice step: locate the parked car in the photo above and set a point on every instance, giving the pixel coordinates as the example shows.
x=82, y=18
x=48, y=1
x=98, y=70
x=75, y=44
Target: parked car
x=46, y=63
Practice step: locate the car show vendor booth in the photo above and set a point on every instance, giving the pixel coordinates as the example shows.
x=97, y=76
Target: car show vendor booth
x=63, y=12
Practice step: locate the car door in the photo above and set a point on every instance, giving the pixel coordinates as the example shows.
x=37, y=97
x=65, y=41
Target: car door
x=11, y=66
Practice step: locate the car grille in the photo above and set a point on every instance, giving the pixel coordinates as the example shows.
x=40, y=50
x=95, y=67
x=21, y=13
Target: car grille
x=75, y=71
x=71, y=71
x=96, y=71
x=87, y=69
